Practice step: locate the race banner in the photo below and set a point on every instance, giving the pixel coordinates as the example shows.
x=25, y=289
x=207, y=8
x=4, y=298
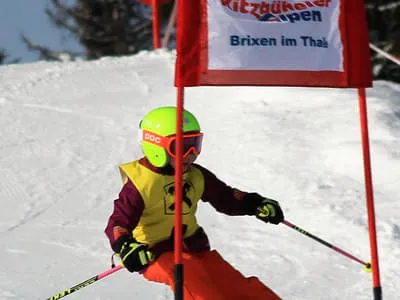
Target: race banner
x=273, y=42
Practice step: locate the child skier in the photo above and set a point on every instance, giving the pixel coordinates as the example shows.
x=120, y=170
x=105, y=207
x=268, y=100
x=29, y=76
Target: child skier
x=143, y=216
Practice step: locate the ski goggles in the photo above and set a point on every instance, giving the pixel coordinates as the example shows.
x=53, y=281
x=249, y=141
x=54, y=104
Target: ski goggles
x=191, y=142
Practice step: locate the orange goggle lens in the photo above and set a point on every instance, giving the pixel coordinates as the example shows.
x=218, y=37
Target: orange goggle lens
x=191, y=142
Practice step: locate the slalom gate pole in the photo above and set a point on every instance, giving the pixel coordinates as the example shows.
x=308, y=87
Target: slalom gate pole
x=155, y=20
x=367, y=266
x=86, y=283
x=178, y=232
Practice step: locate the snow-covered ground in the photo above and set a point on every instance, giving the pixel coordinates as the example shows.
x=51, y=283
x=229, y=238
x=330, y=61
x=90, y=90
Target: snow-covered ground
x=65, y=127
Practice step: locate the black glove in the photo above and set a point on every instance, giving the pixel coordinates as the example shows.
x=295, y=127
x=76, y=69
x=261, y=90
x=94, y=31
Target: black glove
x=134, y=255
x=267, y=210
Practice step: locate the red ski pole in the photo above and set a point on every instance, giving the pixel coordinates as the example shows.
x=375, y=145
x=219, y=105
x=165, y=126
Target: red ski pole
x=366, y=265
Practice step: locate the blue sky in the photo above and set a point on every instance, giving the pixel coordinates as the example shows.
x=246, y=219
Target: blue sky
x=28, y=17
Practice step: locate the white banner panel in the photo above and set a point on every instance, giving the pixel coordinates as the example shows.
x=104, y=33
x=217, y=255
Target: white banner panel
x=274, y=35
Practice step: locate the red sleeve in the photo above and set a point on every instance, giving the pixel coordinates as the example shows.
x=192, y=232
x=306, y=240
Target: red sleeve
x=224, y=198
x=128, y=209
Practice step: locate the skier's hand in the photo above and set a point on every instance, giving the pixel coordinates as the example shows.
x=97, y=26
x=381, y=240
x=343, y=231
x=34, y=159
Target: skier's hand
x=134, y=255
x=269, y=211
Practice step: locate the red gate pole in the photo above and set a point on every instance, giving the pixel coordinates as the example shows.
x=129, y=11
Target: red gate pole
x=178, y=237
x=155, y=19
x=377, y=290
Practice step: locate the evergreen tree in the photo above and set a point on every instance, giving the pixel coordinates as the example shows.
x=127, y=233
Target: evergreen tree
x=4, y=58
x=103, y=27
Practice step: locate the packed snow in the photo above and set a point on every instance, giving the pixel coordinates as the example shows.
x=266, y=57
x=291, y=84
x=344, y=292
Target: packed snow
x=65, y=128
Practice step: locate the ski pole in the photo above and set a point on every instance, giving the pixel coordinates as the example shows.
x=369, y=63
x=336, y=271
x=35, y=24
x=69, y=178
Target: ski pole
x=367, y=266
x=85, y=283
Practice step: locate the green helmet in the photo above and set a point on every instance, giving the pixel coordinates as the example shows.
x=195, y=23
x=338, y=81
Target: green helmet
x=162, y=121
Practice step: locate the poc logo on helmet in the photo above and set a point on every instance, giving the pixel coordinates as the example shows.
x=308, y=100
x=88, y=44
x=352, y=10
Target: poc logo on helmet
x=152, y=138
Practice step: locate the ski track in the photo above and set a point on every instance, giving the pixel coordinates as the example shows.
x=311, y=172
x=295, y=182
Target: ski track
x=11, y=189
x=72, y=161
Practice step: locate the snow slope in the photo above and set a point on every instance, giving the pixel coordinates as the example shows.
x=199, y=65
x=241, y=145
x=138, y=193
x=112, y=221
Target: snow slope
x=65, y=127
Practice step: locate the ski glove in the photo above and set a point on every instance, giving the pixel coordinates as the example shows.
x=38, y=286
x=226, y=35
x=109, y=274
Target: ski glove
x=134, y=255
x=269, y=211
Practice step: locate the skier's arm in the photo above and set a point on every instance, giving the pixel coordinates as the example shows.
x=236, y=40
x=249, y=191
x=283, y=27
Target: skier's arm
x=231, y=201
x=226, y=199
x=126, y=214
